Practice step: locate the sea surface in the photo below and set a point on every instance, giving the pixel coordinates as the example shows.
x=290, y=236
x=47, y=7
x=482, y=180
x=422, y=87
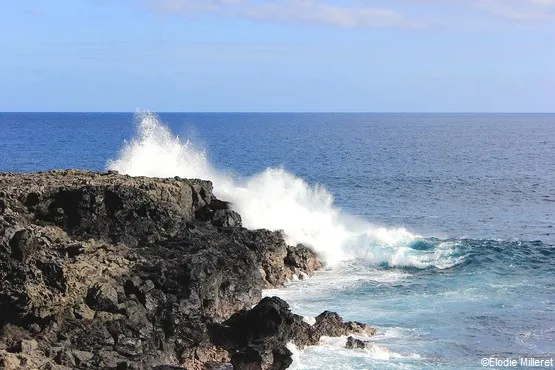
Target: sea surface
x=437, y=229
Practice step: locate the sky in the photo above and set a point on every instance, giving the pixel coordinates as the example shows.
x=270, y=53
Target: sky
x=277, y=55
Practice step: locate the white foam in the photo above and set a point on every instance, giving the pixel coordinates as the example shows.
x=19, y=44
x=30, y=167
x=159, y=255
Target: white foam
x=373, y=351
x=296, y=354
x=389, y=333
x=310, y=320
x=328, y=282
x=274, y=199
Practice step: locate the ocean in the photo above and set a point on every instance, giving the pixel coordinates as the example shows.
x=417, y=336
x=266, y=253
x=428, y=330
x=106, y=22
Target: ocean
x=437, y=229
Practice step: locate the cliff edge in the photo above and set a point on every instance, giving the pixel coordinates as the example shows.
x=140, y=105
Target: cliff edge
x=108, y=271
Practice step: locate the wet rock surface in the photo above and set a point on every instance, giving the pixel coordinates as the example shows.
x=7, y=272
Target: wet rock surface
x=106, y=271
x=258, y=338
x=355, y=343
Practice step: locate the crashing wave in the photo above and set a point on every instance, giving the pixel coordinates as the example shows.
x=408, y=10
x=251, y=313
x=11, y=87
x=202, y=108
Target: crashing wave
x=278, y=200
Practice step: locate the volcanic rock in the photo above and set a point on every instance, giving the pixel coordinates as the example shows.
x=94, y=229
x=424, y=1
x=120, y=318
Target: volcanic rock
x=355, y=343
x=258, y=338
x=107, y=271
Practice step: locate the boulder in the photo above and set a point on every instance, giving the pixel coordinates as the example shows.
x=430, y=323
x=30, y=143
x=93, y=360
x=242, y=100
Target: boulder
x=102, y=297
x=355, y=343
x=258, y=338
x=330, y=324
x=26, y=346
x=22, y=244
x=302, y=260
x=219, y=213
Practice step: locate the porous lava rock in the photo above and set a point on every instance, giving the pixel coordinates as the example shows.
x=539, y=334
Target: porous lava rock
x=108, y=271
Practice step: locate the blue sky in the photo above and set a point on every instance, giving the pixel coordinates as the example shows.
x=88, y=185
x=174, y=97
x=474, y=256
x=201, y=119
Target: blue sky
x=278, y=55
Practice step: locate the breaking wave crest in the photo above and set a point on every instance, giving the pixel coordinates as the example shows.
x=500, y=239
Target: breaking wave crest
x=278, y=200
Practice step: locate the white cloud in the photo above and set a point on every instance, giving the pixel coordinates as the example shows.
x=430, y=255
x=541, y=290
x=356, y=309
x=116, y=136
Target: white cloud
x=292, y=11
x=368, y=13
x=519, y=10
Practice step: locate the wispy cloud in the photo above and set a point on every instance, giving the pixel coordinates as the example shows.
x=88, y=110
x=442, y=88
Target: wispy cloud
x=293, y=11
x=35, y=11
x=519, y=10
x=366, y=14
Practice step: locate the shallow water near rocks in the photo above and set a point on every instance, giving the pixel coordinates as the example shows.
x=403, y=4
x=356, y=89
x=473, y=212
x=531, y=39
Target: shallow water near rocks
x=435, y=318
x=437, y=229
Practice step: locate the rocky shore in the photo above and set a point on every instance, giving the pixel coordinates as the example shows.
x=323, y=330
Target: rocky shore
x=106, y=271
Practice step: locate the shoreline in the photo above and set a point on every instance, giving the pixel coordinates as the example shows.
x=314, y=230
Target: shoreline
x=102, y=270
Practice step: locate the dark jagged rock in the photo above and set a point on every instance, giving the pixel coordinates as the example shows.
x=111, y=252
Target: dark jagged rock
x=278, y=262
x=355, y=343
x=330, y=324
x=109, y=206
x=258, y=338
x=219, y=214
x=106, y=271
x=102, y=297
x=226, y=218
x=301, y=260
x=253, y=337
x=22, y=245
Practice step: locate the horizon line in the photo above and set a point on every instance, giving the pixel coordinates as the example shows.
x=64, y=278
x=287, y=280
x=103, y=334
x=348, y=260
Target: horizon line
x=275, y=112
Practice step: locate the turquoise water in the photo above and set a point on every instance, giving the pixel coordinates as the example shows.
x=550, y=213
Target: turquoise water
x=437, y=229
x=498, y=302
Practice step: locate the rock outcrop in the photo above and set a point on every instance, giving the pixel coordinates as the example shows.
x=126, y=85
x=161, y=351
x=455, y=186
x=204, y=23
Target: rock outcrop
x=106, y=271
x=257, y=338
x=355, y=343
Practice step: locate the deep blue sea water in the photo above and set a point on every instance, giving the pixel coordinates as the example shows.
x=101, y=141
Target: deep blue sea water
x=438, y=229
